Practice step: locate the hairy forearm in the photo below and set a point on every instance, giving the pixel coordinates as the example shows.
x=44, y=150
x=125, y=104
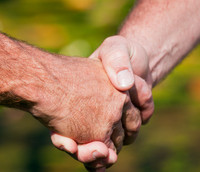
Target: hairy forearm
x=23, y=73
x=168, y=30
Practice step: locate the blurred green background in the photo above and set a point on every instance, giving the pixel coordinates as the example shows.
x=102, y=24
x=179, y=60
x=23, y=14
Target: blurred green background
x=171, y=140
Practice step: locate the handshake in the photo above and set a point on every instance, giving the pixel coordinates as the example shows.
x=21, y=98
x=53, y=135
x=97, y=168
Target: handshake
x=96, y=116
x=92, y=106
x=95, y=106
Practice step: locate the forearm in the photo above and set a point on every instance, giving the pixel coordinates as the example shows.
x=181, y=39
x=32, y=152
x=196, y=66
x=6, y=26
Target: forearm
x=23, y=73
x=168, y=30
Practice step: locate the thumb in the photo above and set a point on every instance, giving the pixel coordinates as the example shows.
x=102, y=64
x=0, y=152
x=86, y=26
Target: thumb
x=115, y=57
x=64, y=143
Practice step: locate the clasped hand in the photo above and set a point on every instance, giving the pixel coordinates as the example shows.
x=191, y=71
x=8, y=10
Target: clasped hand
x=94, y=117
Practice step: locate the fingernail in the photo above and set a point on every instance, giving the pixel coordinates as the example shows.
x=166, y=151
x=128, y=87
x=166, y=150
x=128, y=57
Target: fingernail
x=125, y=78
x=97, y=155
x=145, y=88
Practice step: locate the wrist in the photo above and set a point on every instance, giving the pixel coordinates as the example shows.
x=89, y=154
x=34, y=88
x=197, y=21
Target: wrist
x=23, y=71
x=163, y=34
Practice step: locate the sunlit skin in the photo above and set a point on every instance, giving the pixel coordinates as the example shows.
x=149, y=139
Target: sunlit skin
x=80, y=104
x=166, y=30
x=164, y=47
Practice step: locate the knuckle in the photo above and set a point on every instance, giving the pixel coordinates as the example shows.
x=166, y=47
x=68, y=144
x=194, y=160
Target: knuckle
x=113, y=47
x=145, y=93
x=108, y=40
x=137, y=125
x=115, y=57
x=134, y=121
x=146, y=116
x=112, y=56
x=115, y=38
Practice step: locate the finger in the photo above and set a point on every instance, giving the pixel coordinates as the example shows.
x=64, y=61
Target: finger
x=64, y=143
x=92, y=151
x=131, y=121
x=84, y=153
x=115, y=56
x=115, y=145
x=139, y=61
x=103, y=162
x=95, y=153
x=112, y=158
x=117, y=136
x=141, y=96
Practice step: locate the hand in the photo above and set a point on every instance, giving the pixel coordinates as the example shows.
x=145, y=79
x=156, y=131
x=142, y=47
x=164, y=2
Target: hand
x=117, y=54
x=127, y=66
x=84, y=106
x=79, y=104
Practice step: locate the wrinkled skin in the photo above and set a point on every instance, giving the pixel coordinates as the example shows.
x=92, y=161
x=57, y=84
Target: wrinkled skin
x=117, y=53
x=84, y=105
